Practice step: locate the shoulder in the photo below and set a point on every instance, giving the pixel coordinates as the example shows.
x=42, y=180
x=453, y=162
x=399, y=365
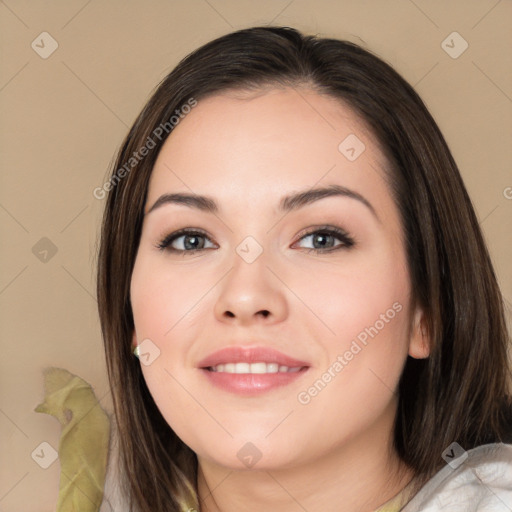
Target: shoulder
x=479, y=480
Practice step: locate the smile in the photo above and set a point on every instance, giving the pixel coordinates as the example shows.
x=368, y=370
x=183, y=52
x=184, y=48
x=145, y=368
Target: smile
x=254, y=368
x=250, y=370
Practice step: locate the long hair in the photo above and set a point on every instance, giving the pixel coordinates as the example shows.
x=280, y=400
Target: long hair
x=459, y=393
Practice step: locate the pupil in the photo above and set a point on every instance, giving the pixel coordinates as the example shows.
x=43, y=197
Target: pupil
x=324, y=237
x=191, y=246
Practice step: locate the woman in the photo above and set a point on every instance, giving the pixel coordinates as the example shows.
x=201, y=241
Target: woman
x=367, y=371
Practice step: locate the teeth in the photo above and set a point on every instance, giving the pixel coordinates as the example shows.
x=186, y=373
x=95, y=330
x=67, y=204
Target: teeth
x=253, y=368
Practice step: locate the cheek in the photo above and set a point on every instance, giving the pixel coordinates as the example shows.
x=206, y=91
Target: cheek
x=165, y=306
x=365, y=315
x=160, y=299
x=364, y=291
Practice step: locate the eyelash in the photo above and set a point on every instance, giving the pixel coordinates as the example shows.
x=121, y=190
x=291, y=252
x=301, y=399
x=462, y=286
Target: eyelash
x=347, y=241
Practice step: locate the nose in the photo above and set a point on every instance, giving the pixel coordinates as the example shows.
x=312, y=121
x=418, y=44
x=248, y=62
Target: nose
x=251, y=293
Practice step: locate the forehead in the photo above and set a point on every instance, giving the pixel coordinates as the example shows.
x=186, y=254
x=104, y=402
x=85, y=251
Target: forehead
x=240, y=146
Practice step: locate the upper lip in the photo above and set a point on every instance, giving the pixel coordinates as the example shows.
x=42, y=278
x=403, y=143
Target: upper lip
x=252, y=354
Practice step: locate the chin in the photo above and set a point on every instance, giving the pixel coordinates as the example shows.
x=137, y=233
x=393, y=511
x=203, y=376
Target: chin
x=245, y=455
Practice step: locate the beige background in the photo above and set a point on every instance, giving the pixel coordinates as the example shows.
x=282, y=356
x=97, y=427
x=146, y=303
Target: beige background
x=63, y=117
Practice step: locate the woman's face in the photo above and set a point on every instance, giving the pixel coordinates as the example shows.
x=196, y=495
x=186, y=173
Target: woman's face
x=251, y=282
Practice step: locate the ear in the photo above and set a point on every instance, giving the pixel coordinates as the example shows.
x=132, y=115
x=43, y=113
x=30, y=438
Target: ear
x=134, y=340
x=419, y=342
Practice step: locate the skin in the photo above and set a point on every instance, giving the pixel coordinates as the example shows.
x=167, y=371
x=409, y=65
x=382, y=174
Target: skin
x=247, y=150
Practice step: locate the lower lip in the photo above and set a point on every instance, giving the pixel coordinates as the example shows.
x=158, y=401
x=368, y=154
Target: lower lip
x=251, y=383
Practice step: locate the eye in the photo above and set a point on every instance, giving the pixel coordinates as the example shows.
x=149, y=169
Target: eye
x=324, y=237
x=192, y=241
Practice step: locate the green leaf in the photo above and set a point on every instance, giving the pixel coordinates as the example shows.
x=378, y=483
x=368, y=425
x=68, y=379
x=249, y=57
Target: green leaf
x=84, y=441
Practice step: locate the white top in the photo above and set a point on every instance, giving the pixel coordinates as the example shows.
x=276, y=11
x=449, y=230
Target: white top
x=479, y=480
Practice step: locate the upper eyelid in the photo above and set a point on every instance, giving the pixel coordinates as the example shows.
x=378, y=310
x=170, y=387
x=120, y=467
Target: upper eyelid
x=321, y=227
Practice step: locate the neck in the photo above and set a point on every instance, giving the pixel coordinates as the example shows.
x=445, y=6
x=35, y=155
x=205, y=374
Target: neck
x=357, y=476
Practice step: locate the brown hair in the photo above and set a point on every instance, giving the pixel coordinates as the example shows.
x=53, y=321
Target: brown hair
x=459, y=393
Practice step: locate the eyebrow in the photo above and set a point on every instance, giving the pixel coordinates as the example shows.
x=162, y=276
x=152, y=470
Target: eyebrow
x=286, y=204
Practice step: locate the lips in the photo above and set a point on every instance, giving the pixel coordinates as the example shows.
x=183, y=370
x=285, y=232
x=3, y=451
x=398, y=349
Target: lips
x=250, y=371
x=250, y=355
